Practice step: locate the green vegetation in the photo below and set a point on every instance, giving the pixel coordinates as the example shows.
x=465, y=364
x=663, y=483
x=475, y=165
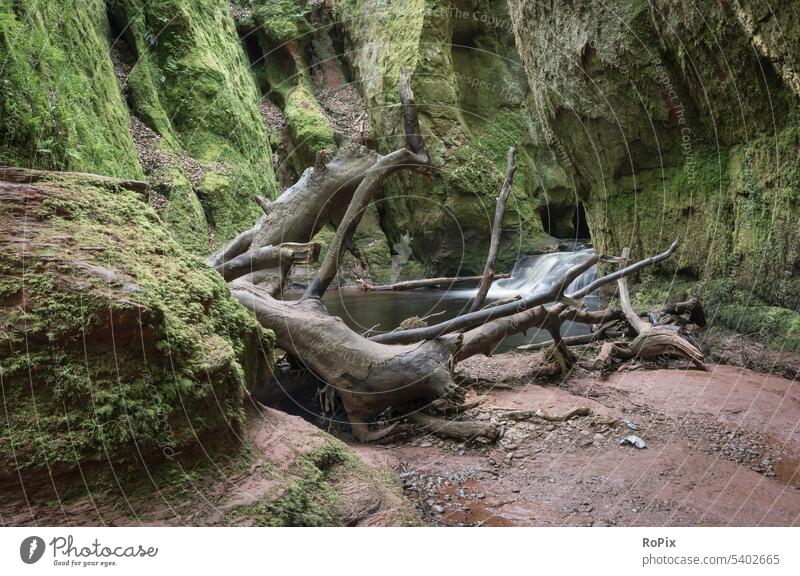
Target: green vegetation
x=471, y=93
x=311, y=489
x=184, y=214
x=191, y=84
x=310, y=497
x=283, y=32
x=60, y=104
x=706, y=150
x=310, y=128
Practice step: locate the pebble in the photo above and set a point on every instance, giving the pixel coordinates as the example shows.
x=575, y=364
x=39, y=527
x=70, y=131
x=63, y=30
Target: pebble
x=438, y=509
x=425, y=445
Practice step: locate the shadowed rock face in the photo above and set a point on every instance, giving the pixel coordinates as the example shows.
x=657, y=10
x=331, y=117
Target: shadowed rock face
x=679, y=120
x=471, y=91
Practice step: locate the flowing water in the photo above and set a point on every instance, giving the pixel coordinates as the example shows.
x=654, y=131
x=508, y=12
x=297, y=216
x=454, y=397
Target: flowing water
x=384, y=311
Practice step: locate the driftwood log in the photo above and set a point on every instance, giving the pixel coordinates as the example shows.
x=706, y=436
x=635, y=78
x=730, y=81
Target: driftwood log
x=651, y=341
x=424, y=283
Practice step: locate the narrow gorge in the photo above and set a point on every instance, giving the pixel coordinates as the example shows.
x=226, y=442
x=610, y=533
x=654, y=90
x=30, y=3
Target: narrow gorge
x=211, y=212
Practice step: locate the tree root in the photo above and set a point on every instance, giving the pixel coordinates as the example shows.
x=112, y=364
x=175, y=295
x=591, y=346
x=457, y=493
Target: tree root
x=465, y=431
x=521, y=415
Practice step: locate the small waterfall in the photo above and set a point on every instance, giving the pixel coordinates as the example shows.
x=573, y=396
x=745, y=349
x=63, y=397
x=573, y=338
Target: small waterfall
x=529, y=272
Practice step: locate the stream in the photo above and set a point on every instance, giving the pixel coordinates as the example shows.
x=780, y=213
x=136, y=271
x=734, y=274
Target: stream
x=384, y=311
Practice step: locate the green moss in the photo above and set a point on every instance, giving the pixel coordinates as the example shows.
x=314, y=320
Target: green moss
x=777, y=328
x=370, y=242
x=281, y=21
x=471, y=93
x=183, y=214
x=740, y=310
x=284, y=35
x=60, y=104
x=192, y=85
x=124, y=344
x=310, y=128
x=673, y=141
x=310, y=498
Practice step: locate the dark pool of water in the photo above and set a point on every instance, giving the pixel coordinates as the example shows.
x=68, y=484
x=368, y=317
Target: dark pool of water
x=384, y=311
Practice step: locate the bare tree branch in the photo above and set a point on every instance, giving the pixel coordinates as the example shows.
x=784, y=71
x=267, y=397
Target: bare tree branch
x=235, y=247
x=384, y=167
x=497, y=228
x=263, y=202
x=269, y=257
x=548, y=293
x=423, y=283
x=603, y=280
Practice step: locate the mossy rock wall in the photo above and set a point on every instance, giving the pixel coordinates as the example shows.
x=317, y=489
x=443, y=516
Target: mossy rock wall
x=472, y=96
x=67, y=103
x=192, y=85
x=677, y=119
x=60, y=103
x=115, y=343
x=294, y=58
x=279, y=35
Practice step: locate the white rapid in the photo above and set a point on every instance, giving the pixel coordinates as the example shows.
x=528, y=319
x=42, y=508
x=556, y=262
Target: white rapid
x=530, y=271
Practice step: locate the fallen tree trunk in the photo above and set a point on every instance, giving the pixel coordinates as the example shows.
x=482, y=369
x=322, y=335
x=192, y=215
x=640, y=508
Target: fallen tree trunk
x=368, y=377
x=462, y=430
x=284, y=255
x=692, y=307
x=415, y=157
x=573, y=340
x=321, y=194
x=403, y=370
x=423, y=283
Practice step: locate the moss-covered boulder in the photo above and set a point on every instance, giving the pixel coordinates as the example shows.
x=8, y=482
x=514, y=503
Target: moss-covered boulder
x=115, y=343
x=60, y=104
x=472, y=96
x=678, y=119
